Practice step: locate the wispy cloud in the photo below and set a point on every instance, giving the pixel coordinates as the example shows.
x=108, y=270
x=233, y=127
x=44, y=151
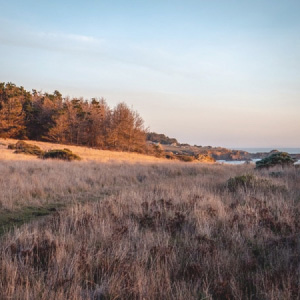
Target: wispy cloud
x=193, y=69
x=150, y=57
x=19, y=36
x=61, y=37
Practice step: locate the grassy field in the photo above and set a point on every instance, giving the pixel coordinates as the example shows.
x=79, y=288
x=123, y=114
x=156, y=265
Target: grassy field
x=87, y=154
x=154, y=230
x=32, y=187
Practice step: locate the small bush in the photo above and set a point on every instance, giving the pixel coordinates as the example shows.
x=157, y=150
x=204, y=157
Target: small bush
x=250, y=182
x=275, y=159
x=22, y=147
x=64, y=154
x=243, y=181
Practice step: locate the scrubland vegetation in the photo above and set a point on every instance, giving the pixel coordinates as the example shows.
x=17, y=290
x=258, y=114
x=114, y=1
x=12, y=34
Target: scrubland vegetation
x=149, y=231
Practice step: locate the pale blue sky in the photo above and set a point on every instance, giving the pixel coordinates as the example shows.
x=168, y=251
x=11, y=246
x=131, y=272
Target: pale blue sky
x=208, y=72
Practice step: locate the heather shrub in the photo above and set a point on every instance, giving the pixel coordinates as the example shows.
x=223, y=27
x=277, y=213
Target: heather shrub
x=64, y=154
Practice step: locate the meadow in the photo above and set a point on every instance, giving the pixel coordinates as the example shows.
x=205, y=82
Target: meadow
x=135, y=228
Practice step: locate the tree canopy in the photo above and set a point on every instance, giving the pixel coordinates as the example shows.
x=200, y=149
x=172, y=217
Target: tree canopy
x=50, y=117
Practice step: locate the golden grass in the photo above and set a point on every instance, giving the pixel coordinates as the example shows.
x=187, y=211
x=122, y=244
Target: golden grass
x=151, y=231
x=87, y=154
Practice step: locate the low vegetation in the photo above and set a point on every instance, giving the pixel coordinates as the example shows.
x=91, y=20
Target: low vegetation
x=25, y=148
x=85, y=153
x=64, y=154
x=244, y=182
x=250, y=182
x=276, y=159
x=155, y=231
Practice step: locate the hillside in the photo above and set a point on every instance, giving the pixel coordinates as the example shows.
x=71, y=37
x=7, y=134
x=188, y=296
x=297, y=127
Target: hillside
x=86, y=153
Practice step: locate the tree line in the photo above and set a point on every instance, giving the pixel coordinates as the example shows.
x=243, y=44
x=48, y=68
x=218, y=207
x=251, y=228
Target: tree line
x=50, y=117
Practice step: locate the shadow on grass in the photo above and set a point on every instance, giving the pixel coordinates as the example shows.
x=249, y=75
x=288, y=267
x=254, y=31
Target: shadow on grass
x=15, y=218
x=10, y=219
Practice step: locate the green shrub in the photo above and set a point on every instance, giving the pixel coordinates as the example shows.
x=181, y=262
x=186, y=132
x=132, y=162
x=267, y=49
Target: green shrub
x=64, y=154
x=275, y=159
x=238, y=182
x=250, y=182
x=22, y=147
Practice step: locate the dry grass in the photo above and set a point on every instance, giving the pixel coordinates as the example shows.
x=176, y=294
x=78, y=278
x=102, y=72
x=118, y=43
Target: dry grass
x=87, y=154
x=153, y=231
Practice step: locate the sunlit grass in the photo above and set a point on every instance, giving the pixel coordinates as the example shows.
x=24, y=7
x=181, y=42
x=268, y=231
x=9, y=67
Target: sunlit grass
x=149, y=231
x=87, y=154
